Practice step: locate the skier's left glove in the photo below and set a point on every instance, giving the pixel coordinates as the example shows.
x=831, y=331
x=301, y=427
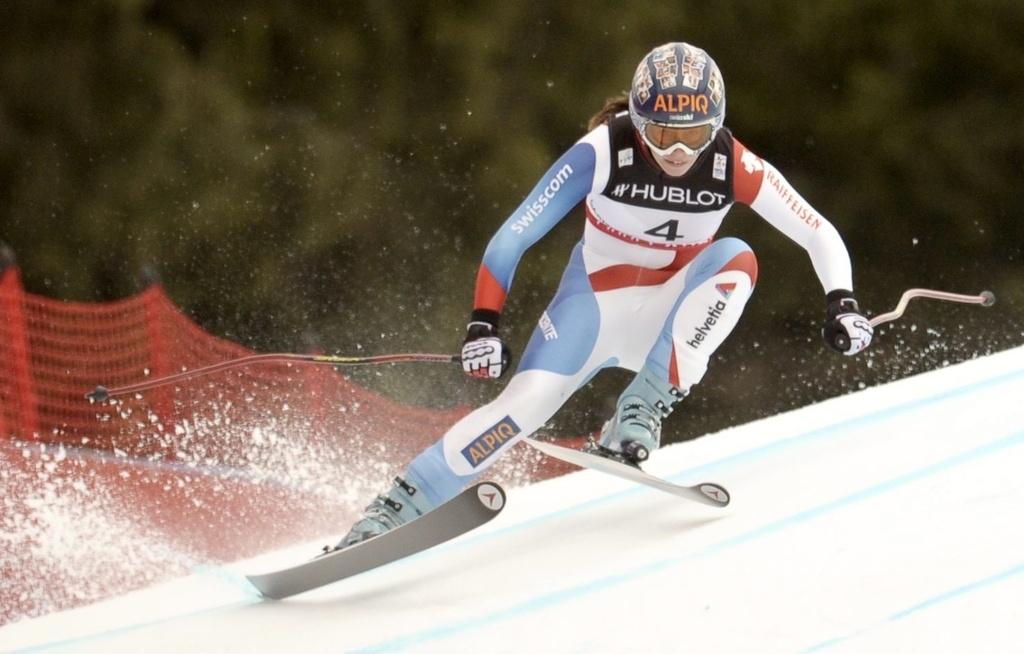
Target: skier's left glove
x=846, y=330
x=484, y=354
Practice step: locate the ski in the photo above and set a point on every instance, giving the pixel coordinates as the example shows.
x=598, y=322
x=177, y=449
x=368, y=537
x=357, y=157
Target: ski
x=705, y=493
x=471, y=508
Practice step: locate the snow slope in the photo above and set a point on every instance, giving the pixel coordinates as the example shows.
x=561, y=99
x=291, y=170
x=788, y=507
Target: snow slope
x=889, y=520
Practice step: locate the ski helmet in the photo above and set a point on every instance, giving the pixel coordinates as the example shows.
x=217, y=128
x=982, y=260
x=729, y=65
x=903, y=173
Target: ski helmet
x=677, y=99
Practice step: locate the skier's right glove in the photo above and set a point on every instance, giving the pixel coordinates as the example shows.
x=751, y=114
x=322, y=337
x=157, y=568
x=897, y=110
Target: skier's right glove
x=846, y=330
x=484, y=355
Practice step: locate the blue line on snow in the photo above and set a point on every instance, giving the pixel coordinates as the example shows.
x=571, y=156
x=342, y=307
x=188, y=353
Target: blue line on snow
x=845, y=425
x=557, y=597
x=956, y=592
x=127, y=629
x=926, y=604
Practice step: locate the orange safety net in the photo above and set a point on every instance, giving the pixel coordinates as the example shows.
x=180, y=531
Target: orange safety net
x=213, y=469
x=52, y=352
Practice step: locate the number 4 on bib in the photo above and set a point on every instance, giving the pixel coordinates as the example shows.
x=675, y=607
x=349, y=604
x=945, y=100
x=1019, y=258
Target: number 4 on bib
x=668, y=231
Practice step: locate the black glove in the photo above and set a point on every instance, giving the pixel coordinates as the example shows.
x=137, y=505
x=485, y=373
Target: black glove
x=484, y=354
x=846, y=330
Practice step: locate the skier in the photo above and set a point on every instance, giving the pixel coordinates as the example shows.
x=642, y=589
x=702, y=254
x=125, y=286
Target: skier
x=648, y=288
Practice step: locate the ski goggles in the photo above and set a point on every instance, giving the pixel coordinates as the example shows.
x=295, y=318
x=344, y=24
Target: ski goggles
x=665, y=139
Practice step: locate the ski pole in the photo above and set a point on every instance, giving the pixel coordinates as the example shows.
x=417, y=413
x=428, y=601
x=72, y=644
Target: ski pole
x=102, y=393
x=985, y=299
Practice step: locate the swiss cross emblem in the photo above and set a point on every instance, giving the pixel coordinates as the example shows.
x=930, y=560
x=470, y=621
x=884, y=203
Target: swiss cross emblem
x=750, y=162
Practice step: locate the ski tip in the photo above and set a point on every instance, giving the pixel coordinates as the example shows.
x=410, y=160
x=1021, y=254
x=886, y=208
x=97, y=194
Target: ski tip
x=491, y=496
x=718, y=495
x=264, y=588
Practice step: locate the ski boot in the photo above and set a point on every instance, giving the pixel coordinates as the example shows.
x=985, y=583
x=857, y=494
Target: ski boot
x=402, y=503
x=635, y=430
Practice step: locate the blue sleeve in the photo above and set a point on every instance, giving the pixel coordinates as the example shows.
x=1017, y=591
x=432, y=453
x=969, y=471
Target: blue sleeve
x=561, y=188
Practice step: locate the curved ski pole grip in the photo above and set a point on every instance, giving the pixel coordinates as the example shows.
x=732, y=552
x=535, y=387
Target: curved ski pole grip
x=985, y=299
x=102, y=393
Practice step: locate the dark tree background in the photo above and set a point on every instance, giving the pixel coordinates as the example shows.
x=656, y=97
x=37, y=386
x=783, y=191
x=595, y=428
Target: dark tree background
x=326, y=175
